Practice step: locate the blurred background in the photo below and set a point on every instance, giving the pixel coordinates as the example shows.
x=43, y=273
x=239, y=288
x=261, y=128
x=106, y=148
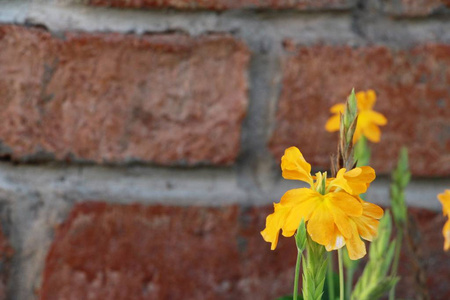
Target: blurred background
x=140, y=140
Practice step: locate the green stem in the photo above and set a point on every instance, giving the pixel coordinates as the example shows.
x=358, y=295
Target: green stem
x=330, y=279
x=362, y=152
x=394, y=270
x=297, y=273
x=341, y=275
x=349, y=272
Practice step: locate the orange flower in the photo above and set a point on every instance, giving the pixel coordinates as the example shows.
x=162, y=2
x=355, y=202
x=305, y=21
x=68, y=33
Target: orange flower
x=368, y=119
x=334, y=214
x=445, y=200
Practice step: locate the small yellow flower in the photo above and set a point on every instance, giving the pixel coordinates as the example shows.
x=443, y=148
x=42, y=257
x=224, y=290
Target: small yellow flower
x=445, y=200
x=334, y=213
x=368, y=119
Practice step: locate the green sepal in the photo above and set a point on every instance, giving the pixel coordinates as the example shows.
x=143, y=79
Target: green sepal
x=300, y=236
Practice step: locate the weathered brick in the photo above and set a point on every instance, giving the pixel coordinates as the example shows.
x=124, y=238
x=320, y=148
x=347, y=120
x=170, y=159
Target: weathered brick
x=412, y=89
x=6, y=253
x=110, y=251
x=429, y=257
x=163, y=252
x=165, y=99
x=228, y=4
x=415, y=8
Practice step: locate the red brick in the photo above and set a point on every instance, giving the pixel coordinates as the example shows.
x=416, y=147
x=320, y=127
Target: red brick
x=412, y=88
x=165, y=99
x=6, y=253
x=435, y=263
x=228, y=4
x=415, y=8
x=111, y=251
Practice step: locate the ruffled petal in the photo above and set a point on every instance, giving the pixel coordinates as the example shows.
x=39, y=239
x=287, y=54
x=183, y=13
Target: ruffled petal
x=366, y=100
x=302, y=202
x=345, y=202
x=355, y=246
x=294, y=166
x=444, y=198
x=338, y=108
x=341, y=182
x=355, y=181
x=337, y=241
x=367, y=227
x=359, y=179
x=446, y=233
x=374, y=117
x=321, y=225
x=372, y=210
x=274, y=222
x=367, y=223
x=333, y=123
x=342, y=222
x=372, y=132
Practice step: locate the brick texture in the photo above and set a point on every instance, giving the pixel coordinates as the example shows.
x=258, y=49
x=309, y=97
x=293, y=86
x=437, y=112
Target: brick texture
x=434, y=263
x=108, y=251
x=416, y=8
x=228, y=4
x=111, y=251
x=165, y=99
x=412, y=88
x=6, y=253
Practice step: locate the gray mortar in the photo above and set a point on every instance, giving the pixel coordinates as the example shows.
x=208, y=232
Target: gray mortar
x=36, y=198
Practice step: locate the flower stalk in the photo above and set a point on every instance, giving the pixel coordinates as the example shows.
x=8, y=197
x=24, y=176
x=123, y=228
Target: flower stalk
x=341, y=275
x=314, y=271
x=346, y=158
x=300, y=241
x=330, y=277
x=400, y=179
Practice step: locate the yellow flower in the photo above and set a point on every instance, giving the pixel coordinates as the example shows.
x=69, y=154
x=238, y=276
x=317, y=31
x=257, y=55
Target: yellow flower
x=368, y=119
x=445, y=200
x=334, y=214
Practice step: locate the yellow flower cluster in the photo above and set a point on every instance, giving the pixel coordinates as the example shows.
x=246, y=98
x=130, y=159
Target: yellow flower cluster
x=334, y=212
x=445, y=200
x=368, y=119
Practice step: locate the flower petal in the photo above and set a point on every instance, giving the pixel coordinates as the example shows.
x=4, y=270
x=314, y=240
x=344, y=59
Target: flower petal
x=446, y=233
x=321, y=225
x=338, y=108
x=374, y=117
x=346, y=203
x=444, y=198
x=358, y=133
x=355, y=246
x=359, y=179
x=294, y=166
x=366, y=100
x=274, y=222
x=342, y=222
x=367, y=224
x=372, y=210
x=367, y=227
x=336, y=242
x=303, y=202
x=372, y=133
x=333, y=123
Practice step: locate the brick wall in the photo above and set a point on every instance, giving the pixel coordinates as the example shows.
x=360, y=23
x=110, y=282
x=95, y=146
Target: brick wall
x=140, y=140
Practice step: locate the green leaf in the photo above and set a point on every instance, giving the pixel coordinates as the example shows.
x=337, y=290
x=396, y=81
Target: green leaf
x=378, y=290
